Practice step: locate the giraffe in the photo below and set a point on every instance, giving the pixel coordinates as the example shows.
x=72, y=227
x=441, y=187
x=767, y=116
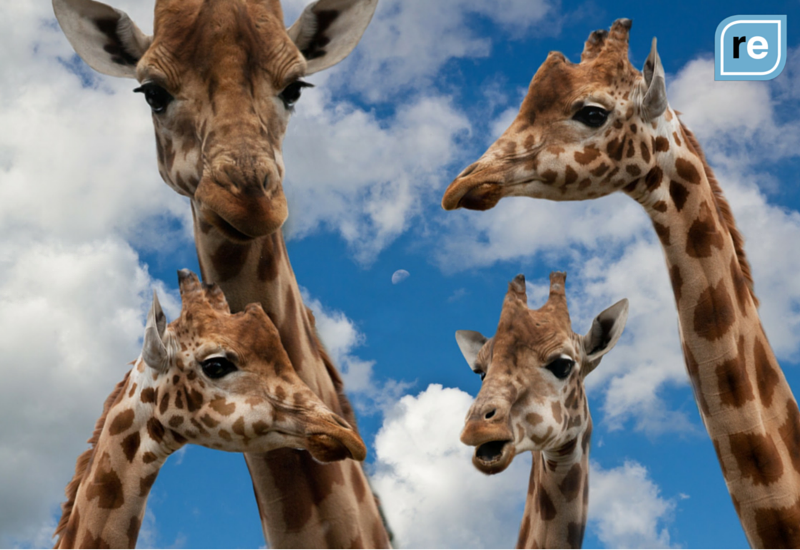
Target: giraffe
x=532, y=399
x=589, y=129
x=212, y=378
x=222, y=78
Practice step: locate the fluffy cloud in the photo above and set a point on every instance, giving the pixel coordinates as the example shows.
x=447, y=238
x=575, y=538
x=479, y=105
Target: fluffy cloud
x=70, y=319
x=626, y=509
x=362, y=177
x=433, y=496
x=78, y=185
x=409, y=41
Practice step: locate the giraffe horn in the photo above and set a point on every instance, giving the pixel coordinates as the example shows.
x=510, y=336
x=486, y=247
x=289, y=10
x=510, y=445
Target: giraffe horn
x=655, y=98
x=154, y=352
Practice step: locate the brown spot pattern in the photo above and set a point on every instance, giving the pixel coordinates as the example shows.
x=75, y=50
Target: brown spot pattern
x=155, y=430
x=130, y=445
x=571, y=484
x=679, y=194
x=547, y=510
x=767, y=375
x=694, y=375
x=757, y=457
x=714, y=314
x=663, y=233
x=790, y=433
x=703, y=234
x=194, y=400
x=662, y=144
x=677, y=282
x=106, y=487
x=587, y=155
x=687, y=171
x=121, y=422
x=735, y=388
x=570, y=175
x=149, y=457
x=164, y=403
x=146, y=483
x=148, y=395
x=222, y=407
x=575, y=534
x=778, y=527
x=133, y=531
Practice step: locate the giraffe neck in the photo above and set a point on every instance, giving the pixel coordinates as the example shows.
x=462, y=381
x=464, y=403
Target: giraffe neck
x=302, y=503
x=558, y=496
x=744, y=400
x=107, y=497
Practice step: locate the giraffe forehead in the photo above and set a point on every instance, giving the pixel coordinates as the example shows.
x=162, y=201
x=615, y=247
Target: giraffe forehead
x=558, y=83
x=222, y=40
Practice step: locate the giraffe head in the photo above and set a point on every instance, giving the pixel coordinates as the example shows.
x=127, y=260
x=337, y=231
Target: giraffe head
x=584, y=130
x=532, y=397
x=225, y=381
x=221, y=78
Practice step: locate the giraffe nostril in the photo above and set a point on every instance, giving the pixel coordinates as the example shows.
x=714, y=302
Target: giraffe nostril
x=468, y=170
x=265, y=183
x=490, y=414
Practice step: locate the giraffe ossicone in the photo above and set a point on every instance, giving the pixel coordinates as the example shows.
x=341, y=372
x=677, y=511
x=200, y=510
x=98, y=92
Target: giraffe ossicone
x=592, y=128
x=211, y=378
x=532, y=398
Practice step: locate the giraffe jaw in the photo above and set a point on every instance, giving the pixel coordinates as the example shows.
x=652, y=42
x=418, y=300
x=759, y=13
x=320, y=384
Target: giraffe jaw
x=493, y=457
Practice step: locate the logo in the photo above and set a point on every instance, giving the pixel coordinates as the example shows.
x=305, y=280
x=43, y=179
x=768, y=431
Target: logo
x=750, y=47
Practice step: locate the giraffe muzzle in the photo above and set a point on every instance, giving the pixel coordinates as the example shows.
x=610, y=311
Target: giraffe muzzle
x=476, y=188
x=331, y=439
x=242, y=210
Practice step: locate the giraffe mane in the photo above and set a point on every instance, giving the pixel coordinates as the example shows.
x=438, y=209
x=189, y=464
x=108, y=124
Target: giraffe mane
x=85, y=460
x=725, y=210
x=346, y=409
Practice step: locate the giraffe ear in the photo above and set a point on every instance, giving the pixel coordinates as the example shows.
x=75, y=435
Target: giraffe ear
x=104, y=37
x=154, y=352
x=470, y=342
x=328, y=30
x=604, y=334
x=655, y=98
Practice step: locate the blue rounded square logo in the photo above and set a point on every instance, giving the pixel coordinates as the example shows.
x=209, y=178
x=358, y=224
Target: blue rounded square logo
x=750, y=47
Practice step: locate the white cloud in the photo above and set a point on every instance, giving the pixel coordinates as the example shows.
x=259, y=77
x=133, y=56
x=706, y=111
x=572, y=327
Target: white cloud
x=362, y=177
x=409, y=41
x=431, y=493
x=70, y=319
x=78, y=185
x=626, y=509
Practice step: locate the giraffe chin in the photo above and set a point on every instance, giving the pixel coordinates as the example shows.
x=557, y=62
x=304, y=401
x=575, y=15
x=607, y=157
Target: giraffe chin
x=493, y=457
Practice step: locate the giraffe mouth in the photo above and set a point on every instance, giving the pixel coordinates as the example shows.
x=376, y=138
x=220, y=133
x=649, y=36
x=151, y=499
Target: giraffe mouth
x=493, y=457
x=227, y=230
x=473, y=191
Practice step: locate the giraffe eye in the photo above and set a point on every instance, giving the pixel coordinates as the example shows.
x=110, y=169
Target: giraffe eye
x=592, y=116
x=291, y=93
x=561, y=367
x=217, y=367
x=156, y=96
x=483, y=375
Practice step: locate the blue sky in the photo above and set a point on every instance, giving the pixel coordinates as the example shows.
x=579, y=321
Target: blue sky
x=89, y=229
